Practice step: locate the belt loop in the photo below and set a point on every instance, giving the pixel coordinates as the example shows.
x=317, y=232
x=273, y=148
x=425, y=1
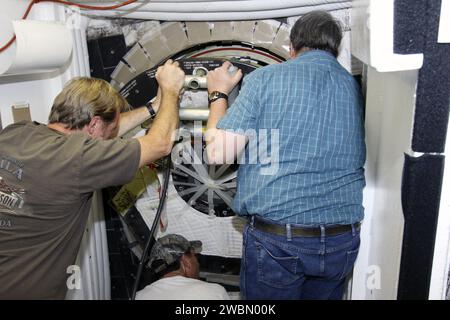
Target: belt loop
x=322, y=233
x=353, y=230
x=252, y=221
x=288, y=232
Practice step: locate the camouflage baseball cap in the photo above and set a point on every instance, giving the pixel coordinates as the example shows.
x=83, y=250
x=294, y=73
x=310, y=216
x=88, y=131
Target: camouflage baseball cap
x=169, y=249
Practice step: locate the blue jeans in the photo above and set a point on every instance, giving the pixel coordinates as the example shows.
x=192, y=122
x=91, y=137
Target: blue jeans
x=278, y=267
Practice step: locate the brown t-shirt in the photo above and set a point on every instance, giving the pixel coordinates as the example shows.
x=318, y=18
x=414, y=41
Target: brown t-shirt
x=46, y=185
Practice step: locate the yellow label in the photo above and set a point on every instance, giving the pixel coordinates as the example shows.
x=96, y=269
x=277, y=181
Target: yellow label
x=127, y=195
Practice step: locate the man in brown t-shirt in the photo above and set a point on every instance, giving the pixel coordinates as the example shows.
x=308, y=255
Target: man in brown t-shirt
x=48, y=174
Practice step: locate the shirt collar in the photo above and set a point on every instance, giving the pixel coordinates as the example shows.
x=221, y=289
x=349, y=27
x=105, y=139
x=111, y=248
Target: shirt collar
x=315, y=53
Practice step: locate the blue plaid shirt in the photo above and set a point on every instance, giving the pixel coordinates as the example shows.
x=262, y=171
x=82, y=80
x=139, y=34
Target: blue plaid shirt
x=316, y=109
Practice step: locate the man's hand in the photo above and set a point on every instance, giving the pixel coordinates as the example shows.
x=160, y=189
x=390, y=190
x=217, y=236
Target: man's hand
x=170, y=77
x=221, y=80
x=222, y=146
x=164, y=78
x=158, y=141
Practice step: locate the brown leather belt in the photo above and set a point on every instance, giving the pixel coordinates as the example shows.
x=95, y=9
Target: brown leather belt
x=282, y=230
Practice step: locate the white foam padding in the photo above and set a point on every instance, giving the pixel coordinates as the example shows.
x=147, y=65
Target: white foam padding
x=174, y=36
x=220, y=236
x=280, y=44
x=122, y=74
x=264, y=33
x=198, y=32
x=243, y=30
x=221, y=30
x=138, y=60
x=157, y=49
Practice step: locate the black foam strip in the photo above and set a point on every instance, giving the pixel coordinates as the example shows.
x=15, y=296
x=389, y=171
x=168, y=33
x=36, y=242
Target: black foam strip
x=409, y=35
x=432, y=107
x=433, y=94
x=421, y=192
x=416, y=28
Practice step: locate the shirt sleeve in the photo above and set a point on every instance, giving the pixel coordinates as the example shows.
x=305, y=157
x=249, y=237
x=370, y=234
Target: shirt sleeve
x=106, y=163
x=243, y=113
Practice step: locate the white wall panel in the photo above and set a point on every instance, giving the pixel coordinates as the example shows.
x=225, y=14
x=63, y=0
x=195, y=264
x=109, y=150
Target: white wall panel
x=37, y=91
x=390, y=105
x=92, y=258
x=373, y=32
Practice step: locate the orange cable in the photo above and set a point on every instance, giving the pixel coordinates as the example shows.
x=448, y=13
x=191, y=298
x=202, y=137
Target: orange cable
x=85, y=6
x=69, y=3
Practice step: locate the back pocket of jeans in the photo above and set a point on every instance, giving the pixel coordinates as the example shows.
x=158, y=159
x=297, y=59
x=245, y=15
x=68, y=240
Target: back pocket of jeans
x=349, y=263
x=276, y=267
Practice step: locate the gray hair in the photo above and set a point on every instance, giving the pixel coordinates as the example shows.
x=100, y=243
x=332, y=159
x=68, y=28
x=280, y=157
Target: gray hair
x=316, y=30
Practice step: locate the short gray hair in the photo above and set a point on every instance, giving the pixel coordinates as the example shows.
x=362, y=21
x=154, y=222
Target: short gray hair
x=316, y=30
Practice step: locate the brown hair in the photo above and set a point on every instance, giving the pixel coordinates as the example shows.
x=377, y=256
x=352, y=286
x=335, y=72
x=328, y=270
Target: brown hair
x=84, y=98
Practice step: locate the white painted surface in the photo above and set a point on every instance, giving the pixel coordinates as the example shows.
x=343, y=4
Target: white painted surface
x=389, y=116
x=92, y=258
x=222, y=10
x=373, y=34
x=29, y=52
x=11, y=9
x=38, y=91
x=444, y=22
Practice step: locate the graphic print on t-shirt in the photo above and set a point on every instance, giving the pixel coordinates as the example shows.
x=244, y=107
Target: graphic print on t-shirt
x=11, y=196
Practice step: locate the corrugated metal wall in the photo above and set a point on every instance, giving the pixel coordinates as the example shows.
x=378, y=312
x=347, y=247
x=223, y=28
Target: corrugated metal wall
x=93, y=254
x=93, y=258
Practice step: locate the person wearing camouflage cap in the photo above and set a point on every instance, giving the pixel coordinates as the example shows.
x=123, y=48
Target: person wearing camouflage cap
x=169, y=249
x=173, y=259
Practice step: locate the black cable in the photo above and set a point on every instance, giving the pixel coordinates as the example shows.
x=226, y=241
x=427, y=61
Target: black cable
x=150, y=240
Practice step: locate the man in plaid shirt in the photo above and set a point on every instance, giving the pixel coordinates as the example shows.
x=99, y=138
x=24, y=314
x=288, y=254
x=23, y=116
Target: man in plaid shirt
x=304, y=211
